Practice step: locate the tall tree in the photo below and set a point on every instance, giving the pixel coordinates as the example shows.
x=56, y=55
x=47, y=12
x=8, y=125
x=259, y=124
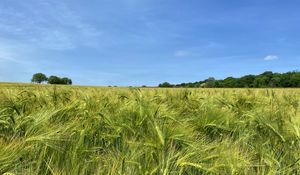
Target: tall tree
x=57, y=80
x=66, y=81
x=39, y=78
x=210, y=82
x=54, y=80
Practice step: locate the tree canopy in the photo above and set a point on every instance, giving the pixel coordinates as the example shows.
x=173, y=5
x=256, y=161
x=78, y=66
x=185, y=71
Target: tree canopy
x=266, y=79
x=39, y=78
x=165, y=84
x=57, y=80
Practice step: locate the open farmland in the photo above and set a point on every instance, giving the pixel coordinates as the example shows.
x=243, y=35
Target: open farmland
x=47, y=129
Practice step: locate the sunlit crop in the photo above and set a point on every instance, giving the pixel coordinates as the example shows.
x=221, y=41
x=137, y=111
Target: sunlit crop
x=88, y=130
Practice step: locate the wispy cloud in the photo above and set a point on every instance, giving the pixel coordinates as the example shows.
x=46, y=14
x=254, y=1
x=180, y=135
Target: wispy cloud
x=182, y=53
x=198, y=50
x=4, y=56
x=10, y=52
x=54, y=40
x=15, y=61
x=47, y=24
x=271, y=57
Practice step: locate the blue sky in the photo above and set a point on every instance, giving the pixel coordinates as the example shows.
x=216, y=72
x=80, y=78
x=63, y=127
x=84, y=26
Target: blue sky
x=146, y=42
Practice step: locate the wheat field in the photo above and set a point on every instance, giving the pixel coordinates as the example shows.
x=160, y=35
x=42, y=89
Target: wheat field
x=134, y=131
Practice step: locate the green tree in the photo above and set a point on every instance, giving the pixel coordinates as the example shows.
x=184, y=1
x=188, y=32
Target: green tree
x=266, y=79
x=57, y=80
x=229, y=82
x=261, y=81
x=39, y=78
x=66, y=81
x=54, y=80
x=246, y=81
x=275, y=81
x=210, y=82
x=295, y=79
x=165, y=84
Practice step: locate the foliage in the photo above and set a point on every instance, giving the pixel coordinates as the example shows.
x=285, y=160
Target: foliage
x=210, y=82
x=66, y=81
x=54, y=80
x=39, y=78
x=165, y=84
x=88, y=130
x=266, y=79
x=57, y=80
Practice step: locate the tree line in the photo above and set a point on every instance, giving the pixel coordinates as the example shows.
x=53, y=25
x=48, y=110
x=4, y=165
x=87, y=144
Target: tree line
x=264, y=80
x=41, y=78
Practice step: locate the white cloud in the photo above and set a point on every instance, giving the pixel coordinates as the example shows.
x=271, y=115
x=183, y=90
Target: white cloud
x=55, y=40
x=182, y=53
x=13, y=53
x=271, y=57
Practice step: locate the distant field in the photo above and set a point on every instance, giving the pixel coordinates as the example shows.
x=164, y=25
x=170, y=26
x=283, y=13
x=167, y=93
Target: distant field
x=46, y=129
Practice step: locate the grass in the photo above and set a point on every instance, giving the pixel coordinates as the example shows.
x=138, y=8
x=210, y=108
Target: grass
x=88, y=130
